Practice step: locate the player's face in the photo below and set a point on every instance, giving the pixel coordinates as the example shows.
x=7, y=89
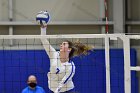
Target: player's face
x=64, y=46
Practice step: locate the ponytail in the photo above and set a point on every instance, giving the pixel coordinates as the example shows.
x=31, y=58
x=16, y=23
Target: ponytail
x=78, y=48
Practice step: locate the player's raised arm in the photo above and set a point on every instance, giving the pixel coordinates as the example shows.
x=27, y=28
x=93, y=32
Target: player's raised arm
x=48, y=48
x=43, y=18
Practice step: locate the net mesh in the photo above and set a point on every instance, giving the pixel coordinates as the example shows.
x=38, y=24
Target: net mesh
x=26, y=56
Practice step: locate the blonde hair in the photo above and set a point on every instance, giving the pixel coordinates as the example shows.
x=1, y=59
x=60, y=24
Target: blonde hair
x=78, y=48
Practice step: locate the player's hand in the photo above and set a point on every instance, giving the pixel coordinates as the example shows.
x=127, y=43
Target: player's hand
x=43, y=26
x=56, y=91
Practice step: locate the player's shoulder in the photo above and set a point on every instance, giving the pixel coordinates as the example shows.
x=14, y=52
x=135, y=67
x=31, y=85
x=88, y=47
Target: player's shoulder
x=25, y=90
x=40, y=88
x=70, y=63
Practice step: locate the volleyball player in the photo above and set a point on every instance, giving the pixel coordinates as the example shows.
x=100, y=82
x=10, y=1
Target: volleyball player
x=62, y=69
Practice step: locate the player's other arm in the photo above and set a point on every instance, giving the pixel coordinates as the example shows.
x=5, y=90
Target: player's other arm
x=70, y=71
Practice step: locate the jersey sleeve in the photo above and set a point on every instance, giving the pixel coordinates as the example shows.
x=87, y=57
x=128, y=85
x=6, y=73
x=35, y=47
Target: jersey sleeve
x=52, y=53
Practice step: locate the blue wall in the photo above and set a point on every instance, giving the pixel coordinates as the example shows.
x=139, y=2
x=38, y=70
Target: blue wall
x=17, y=65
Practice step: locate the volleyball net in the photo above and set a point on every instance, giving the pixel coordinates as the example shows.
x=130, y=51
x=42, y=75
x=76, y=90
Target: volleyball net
x=110, y=67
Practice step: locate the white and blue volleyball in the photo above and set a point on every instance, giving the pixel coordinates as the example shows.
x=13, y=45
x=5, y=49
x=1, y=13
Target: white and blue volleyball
x=43, y=18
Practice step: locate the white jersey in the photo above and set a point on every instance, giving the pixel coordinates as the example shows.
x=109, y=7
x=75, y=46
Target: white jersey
x=60, y=75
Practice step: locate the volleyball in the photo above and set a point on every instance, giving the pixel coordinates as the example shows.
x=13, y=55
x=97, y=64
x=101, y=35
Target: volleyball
x=42, y=18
